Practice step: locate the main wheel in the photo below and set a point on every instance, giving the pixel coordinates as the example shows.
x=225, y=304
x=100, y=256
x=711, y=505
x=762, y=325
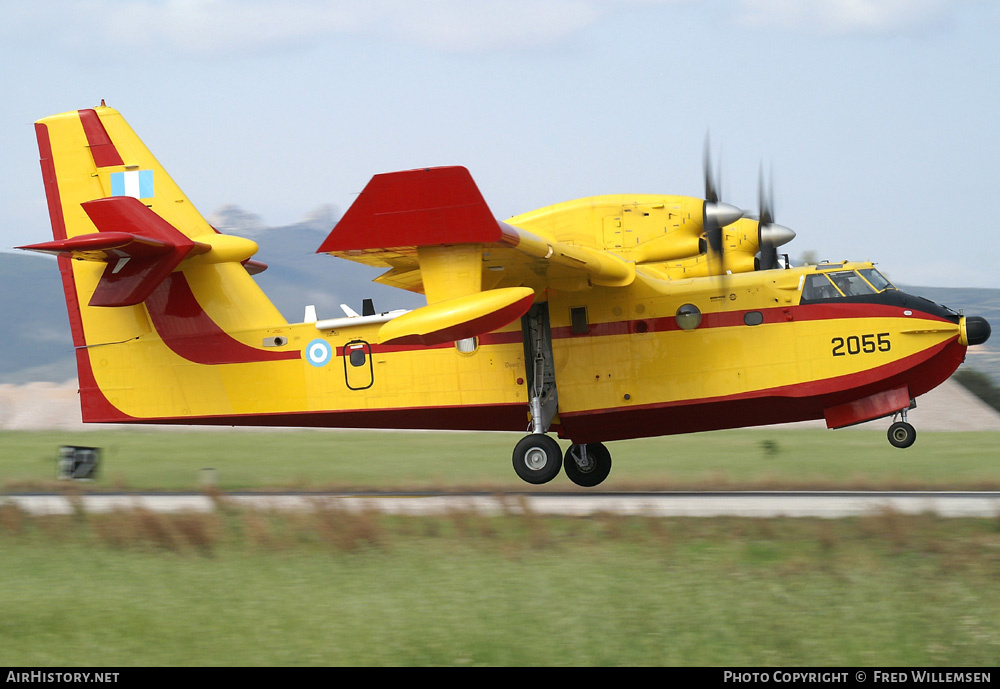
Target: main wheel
x=587, y=471
x=537, y=458
x=902, y=434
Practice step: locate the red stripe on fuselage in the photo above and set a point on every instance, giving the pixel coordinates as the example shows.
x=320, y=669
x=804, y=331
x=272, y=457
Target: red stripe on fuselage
x=488, y=417
x=192, y=334
x=732, y=319
x=725, y=319
x=485, y=340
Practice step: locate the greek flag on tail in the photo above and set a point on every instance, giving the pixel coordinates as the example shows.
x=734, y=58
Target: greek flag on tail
x=135, y=183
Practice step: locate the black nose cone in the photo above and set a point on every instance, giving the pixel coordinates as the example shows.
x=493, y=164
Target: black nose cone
x=977, y=330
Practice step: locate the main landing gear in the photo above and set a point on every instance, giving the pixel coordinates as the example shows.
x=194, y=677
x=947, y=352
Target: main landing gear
x=537, y=457
x=901, y=434
x=587, y=465
x=537, y=460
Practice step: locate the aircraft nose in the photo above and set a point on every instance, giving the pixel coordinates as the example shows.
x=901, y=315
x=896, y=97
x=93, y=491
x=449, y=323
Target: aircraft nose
x=976, y=330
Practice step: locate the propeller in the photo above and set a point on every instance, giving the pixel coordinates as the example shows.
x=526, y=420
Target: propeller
x=770, y=235
x=716, y=214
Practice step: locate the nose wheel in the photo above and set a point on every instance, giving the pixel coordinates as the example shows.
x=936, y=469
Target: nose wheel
x=901, y=434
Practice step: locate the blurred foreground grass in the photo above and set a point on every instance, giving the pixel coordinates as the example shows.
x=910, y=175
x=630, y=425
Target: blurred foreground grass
x=324, y=587
x=240, y=587
x=173, y=459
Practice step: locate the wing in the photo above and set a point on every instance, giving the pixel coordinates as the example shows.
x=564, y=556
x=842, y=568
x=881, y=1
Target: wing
x=434, y=231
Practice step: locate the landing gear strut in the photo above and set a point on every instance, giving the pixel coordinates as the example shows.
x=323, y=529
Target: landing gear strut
x=537, y=457
x=901, y=434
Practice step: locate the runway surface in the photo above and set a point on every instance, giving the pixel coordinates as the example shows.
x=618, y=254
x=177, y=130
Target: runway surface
x=833, y=504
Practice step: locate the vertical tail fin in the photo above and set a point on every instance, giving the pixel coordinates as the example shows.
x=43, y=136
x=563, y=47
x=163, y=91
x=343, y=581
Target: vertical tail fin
x=129, y=227
x=140, y=264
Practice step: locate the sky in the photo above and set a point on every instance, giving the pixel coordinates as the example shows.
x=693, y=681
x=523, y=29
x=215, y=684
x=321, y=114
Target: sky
x=877, y=120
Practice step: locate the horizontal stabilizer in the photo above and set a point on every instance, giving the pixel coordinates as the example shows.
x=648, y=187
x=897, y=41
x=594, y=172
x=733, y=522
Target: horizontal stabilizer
x=103, y=246
x=140, y=248
x=459, y=318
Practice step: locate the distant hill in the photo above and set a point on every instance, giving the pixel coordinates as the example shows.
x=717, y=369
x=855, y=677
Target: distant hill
x=296, y=275
x=36, y=343
x=37, y=346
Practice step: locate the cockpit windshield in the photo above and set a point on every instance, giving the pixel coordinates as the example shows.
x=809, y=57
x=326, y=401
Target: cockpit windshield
x=876, y=279
x=850, y=283
x=843, y=283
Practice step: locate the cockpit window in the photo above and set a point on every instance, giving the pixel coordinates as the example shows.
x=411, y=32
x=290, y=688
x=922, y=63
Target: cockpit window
x=817, y=286
x=877, y=280
x=836, y=284
x=850, y=283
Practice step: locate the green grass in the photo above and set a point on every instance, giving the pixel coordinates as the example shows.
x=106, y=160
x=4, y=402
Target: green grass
x=309, y=459
x=240, y=587
x=328, y=588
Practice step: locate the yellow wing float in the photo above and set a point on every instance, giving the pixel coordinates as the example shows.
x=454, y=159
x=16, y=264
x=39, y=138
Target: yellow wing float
x=602, y=318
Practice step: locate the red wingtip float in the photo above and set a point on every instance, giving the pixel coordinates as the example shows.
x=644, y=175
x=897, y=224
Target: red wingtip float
x=603, y=318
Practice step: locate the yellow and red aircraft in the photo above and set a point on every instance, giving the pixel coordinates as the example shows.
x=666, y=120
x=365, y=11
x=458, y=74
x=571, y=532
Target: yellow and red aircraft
x=604, y=318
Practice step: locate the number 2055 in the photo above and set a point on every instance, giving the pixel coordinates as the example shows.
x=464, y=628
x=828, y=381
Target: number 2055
x=861, y=344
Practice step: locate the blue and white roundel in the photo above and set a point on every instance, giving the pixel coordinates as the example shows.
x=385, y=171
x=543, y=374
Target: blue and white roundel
x=318, y=353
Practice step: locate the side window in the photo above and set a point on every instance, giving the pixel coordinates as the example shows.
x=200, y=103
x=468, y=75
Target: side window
x=578, y=319
x=753, y=318
x=818, y=287
x=468, y=345
x=358, y=357
x=688, y=317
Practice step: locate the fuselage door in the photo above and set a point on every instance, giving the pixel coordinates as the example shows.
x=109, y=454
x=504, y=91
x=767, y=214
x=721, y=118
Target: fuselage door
x=358, y=369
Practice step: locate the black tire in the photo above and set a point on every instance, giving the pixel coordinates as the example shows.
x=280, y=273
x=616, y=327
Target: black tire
x=599, y=465
x=537, y=458
x=902, y=434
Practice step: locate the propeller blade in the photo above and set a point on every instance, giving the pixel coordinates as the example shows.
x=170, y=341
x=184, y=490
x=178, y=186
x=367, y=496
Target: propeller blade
x=711, y=191
x=765, y=199
x=716, y=214
x=770, y=235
